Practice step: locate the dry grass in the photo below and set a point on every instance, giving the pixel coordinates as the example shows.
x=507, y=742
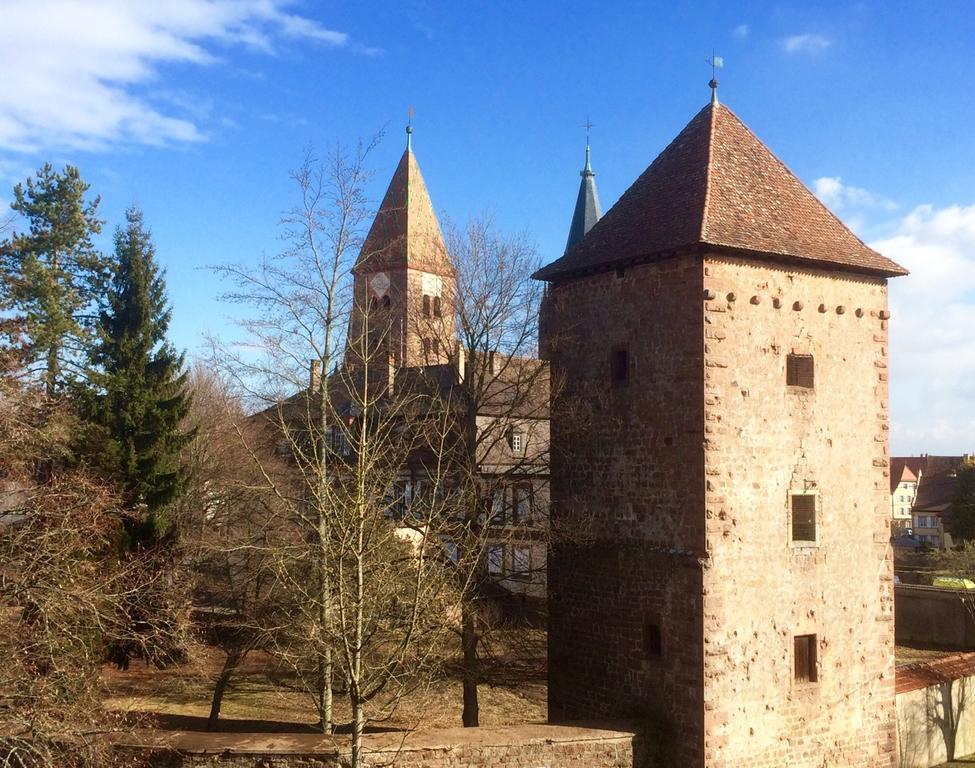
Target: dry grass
x=179, y=697
x=905, y=654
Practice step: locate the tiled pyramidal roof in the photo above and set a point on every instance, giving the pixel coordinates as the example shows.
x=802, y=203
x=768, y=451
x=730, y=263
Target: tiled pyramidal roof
x=405, y=232
x=587, y=211
x=718, y=186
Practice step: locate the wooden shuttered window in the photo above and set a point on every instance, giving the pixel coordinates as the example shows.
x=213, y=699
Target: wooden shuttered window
x=803, y=517
x=799, y=371
x=805, y=659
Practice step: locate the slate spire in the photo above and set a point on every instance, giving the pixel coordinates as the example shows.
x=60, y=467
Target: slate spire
x=587, y=211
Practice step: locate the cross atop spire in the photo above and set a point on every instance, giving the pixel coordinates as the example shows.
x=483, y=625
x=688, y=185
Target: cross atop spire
x=409, y=129
x=588, y=169
x=716, y=63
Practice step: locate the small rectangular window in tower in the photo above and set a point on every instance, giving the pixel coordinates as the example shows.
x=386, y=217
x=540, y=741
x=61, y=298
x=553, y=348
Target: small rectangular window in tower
x=436, y=346
x=805, y=659
x=799, y=371
x=426, y=305
x=426, y=346
x=436, y=307
x=803, y=517
x=652, y=643
x=619, y=366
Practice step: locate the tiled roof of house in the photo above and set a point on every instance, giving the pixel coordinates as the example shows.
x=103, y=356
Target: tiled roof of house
x=923, y=674
x=936, y=486
x=718, y=187
x=904, y=469
x=405, y=232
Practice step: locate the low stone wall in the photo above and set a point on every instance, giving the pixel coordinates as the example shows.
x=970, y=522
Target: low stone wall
x=527, y=746
x=933, y=615
x=936, y=711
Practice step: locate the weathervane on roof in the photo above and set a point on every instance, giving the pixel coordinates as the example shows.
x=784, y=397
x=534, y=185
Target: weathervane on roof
x=409, y=128
x=716, y=63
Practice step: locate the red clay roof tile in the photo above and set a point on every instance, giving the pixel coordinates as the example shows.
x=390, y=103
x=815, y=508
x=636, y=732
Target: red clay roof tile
x=718, y=185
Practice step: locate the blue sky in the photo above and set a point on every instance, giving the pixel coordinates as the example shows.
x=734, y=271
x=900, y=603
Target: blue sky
x=197, y=109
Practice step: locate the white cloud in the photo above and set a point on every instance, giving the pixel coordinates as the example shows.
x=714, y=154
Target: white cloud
x=75, y=71
x=806, y=43
x=932, y=331
x=741, y=31
x=839, y=196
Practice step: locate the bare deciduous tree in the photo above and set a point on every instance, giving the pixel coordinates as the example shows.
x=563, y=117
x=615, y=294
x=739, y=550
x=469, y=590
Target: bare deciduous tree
x=497, y=459
x=361, y=603
x=64, y=592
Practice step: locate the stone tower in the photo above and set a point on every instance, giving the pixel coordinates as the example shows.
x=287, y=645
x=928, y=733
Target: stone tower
x=403, y=279
x=721, y=570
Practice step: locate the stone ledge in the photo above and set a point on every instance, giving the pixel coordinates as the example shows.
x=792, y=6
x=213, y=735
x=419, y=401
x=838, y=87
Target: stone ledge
x=190, y=742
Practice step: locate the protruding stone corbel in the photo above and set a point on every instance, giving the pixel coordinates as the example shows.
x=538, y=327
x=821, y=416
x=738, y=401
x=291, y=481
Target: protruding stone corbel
x=709, y=295
x=797, y=306
x=756, y=299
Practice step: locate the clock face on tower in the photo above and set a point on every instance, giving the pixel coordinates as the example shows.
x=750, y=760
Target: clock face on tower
x=379, y=283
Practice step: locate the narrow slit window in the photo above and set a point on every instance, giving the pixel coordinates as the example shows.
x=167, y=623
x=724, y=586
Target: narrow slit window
x=803, y=517
x=619, y=367
x=426, y=305
x=652, y=642
x=436, y=306
x=799, y=371
x=805, y=659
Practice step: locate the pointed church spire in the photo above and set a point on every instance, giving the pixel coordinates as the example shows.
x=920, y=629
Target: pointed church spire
x=587, y=211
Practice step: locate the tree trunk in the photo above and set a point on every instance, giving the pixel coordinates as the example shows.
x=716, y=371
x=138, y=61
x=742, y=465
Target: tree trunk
x=325, y=662
x=358, y=729
x=229, y=667
x=469, y=644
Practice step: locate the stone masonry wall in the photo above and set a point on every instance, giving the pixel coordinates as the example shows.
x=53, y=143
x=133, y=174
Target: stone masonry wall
x=625, y=626
x=765, y=441
x=530, y=746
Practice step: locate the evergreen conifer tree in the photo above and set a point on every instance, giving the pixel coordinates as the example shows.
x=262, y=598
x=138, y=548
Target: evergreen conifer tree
x=961, y=520
x=51, y=275
x=141, y=385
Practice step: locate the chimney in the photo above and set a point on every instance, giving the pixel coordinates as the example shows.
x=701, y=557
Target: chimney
x=460, y=362
x=315, y=375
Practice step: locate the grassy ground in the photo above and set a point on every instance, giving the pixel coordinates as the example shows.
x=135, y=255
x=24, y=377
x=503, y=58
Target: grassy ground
x=179, y=697
x=258, y=700
x=905, y=654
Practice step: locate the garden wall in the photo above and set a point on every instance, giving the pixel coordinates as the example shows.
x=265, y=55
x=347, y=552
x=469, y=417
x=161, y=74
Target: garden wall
x=528, y=746
x=933, y=615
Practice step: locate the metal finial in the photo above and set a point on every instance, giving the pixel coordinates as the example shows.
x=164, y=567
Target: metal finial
x=716, y=63
x=588, y=126
x=409, y=129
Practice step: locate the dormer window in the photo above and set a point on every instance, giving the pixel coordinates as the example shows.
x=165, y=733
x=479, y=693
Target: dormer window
x=517, y=441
